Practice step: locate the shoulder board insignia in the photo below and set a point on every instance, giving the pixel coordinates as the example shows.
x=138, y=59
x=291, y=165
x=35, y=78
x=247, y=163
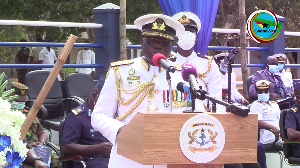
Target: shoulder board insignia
x=77, y=110
x=287, y=70
x=208, y=57
x=294, y=109
x=272, y=101
x=118, y=63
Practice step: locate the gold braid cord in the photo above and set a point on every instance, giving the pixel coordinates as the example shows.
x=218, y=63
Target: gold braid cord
x=146, y=88
x=202, y=75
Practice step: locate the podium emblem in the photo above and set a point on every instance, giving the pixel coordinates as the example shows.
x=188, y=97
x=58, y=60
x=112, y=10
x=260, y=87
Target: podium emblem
x=202, y=138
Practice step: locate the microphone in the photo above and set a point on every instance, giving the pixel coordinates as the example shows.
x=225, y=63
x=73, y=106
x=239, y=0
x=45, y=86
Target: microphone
x=185, y=89
x=189, y=73
x=161, y=61
x=229, y=58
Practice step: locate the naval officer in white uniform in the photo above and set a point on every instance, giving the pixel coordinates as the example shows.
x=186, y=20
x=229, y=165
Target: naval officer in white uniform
x=209, y=76
x=285, y=74
x=137, y=85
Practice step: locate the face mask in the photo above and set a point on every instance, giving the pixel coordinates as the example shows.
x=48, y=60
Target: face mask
x=186, y=41
x=280, y=67
x=273, y=68
x=263, y=97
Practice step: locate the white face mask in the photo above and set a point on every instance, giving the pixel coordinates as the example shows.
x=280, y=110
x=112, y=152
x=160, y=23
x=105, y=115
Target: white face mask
x=186, y=40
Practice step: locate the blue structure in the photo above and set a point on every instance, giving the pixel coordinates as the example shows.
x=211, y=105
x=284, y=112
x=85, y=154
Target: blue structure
x=276, y=46
x=107, y=15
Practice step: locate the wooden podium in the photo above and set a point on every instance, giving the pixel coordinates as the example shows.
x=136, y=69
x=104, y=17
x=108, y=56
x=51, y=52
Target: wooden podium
x=153, y=139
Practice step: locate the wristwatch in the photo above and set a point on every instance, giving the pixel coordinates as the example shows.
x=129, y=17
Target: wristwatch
x=37, y=158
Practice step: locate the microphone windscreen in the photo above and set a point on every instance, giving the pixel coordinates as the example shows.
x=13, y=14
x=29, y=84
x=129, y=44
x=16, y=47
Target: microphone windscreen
x=180, y=86
x=156, y=59
x=186, y=69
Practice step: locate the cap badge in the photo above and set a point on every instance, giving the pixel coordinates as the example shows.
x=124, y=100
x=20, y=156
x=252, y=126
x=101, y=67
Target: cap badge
x=159, y=24
x=263, y=85
x=184, y=19
x=281, y=58
x=23, y=92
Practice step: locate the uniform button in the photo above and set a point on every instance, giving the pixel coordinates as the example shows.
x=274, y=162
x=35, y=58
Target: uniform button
x=154, y=75
x=92, y=135
x=156, y=91
x=156, y=108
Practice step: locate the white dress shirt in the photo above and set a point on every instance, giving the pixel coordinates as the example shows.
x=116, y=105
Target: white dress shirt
x=235, y=95
x=85, y=57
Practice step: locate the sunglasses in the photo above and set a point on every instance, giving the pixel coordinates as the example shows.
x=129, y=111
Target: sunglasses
x=163, y=43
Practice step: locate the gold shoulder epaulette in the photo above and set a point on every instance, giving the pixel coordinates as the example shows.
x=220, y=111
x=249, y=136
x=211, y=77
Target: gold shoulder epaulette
x=287, y=70
x=77, y=110
x=124, y=62
x=294, y=109
x=208, y=57
x=272, y=101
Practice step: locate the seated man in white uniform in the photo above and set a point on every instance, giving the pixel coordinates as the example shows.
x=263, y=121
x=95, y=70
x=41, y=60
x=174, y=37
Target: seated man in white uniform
x=136, y=85
x=285, y=74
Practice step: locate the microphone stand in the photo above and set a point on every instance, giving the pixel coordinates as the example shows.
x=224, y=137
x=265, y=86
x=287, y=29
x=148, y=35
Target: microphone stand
x=229, y=81
x=234, y=108
x=168, y=76
x=193, y=98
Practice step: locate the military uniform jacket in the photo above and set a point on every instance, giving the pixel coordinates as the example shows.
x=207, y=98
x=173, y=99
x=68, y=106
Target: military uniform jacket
x=78, y=130
x=22, y=56
x=286, y=77
x=292, y=120
x=135, y=74
x=235, y=95
x=264, y=75
x=269, y=113
x=211, y=80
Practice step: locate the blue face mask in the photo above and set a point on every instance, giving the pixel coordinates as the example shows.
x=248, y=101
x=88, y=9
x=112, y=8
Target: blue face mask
x=273, y=68
x=280, y=67
x=263, y=97
x=223, y=69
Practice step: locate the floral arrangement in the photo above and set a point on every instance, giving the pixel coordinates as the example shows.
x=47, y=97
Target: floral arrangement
x=12, y=150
